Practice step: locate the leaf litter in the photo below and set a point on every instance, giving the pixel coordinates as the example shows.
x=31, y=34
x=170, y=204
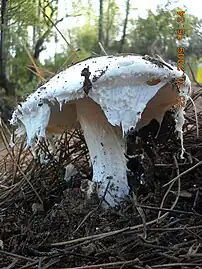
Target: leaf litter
x=46, y=220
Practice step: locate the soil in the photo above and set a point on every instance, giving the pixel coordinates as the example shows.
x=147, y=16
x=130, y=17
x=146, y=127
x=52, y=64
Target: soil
x=47, y=222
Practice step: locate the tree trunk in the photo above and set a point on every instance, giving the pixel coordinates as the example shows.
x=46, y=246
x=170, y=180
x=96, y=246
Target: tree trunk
x=4, y=76
x=4, y=26
x=36, y=28
x=100, y=33
x=125, y=26
x=106, y=44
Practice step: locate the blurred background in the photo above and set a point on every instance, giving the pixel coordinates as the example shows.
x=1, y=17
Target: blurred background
x=41, y=37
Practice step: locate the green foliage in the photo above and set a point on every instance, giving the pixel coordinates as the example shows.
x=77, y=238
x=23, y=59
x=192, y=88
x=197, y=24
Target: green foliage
x=29, y=21
x=111, y=20
x=23, y=12
x=28, y=27
x=85, y=38
x=158, y=33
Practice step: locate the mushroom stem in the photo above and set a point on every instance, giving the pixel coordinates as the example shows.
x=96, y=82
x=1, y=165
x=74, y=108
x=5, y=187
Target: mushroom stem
x=106, y=149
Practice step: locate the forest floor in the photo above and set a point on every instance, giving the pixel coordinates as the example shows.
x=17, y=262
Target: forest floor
x=47, y=222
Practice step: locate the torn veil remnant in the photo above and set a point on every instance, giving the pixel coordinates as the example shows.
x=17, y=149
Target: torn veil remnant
x=107, y=96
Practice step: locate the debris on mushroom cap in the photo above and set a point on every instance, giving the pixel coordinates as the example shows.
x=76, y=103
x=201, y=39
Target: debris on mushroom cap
x=121, y=85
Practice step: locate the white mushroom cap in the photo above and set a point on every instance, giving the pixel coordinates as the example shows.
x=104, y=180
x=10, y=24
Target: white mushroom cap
x=120, y=91
x=119, y=85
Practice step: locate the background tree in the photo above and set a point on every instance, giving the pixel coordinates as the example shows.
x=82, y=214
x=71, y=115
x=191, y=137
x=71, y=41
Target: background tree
x=4, y=50
x=27, y=27
x=100, y=31
x=124, y=26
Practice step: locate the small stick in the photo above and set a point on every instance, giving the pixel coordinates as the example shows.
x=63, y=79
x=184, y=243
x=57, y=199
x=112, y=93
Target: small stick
x=10, y=266
x=174, y=228
x=196, y=198
x=183, y=173
x=169, y=164
x=30, y=265
x=170, y=265
x=107, y=265
x=168, y=190
x=102, y=48
x=193, y=233
x=16, y=255
x=168, y=210
x=169, y=256
x=107, y=234
x=142, y=215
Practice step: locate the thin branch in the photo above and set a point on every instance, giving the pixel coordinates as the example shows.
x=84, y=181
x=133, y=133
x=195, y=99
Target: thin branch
x=34, y=64
x=102, y=48
x=73, y=50
x=183, y=173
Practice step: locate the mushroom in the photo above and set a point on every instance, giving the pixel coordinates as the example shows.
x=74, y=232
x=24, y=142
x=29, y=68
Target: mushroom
x=107, y=96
